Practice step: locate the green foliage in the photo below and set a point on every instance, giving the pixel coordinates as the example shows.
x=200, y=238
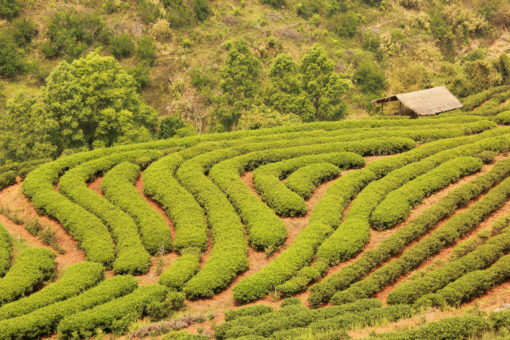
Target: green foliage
x=5, y=251
x=274, y=3
x=114, y=316
x=346, y=24
x=44, y=321
x=12, y=61
x=168, y=126
x=179, y=14
x=74, y=281
x=201, y=9
x=31, y=268
x=122, y=46
x=258, y=117
x=305, y=180
x=255, y=310
x=23, y=31
x=141, y=74
x=146, y=49
x=369, y=78
x=148, y=11
x=182, y=270
x=10, y=9
x=503, y=118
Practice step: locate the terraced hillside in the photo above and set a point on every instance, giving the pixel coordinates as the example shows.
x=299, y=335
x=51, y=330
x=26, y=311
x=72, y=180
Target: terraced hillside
x=380, y=228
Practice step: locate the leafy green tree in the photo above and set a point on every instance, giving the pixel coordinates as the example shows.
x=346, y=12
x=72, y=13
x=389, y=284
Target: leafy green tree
x=369, y=77
x=169, y=126
x=122, y=46
x=23, y=31
x=96, y=103
x=10, y=8
x=11, y=57
x=27, y=130
x=240, y=83
x=322, y=87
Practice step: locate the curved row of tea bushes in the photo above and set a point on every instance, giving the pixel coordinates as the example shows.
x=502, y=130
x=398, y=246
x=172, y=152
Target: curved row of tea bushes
x=329, y=209
x=263, y=320
x=266, y=230
x=453, y=229
x=31, y=268
x=75, y=280
x=278, y=196
x=457, y=327
x=114, y=316
x=306, y=179
x=503, y=118
x=469, y=286
x=182, y=270
x=397, y=205
x=475, y=100
x=354, y=233
x=118, y=187
x=419, y=226
x=10, y=172
x=5, y=251
x=131, y=256
x=480, y=258
x=44, y=321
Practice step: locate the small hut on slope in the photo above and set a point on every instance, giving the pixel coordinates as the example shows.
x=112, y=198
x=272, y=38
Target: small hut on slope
x=427, y=102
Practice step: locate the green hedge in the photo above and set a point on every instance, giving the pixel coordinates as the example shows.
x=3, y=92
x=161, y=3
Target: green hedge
x=114, y=316
x=183, y=335
x=397, y=205
x=30, y=270
x=75, y=280
x=5, y=250
x=453, y=229
x=469, y=286
x=479, y=98
x=182, y=270
x=306, y=179
x=44, y=321
x=480, y=258
x=503, y=118
x=254, y=310
x=458, y=327
x=118, y=187
x=9, y=172
x=131, y=256
x=264, y=322
x=460, y=197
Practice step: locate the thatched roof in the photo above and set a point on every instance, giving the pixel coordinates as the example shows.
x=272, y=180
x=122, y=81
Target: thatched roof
x=426, y=102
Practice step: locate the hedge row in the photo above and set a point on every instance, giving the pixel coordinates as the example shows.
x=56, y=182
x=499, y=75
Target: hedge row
x=469, y=286
x=324, y=290
x=503, y=118
x=44, y=321
x=475, y=100
x=264, y=322
x=182, y=270
x=118, y=187
x=183, y=335
x=187, y=216
x=456, y=227
x=9, y=172
x=32, y=268
x=75, y=280
x=114, y=316
x=457, y=327
x=480, y=258
x=5, y=250
x=305, y=180
x=278, y=196
x=397, y=205
x=354, y=233
x=131, y=256
x=254, y=310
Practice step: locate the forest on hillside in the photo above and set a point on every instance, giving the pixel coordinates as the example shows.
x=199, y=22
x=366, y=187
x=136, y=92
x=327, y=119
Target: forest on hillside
x=78, y=75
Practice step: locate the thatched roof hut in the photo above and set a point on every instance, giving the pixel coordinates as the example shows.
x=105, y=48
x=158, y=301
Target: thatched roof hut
x=427, y=102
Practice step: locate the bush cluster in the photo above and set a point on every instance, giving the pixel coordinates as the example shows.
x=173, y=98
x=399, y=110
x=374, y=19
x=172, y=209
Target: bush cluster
x=475, y=100
x=5, y=250
x=75, y=280
x=306, y=179
x=397, y=205
x=131, y=256
x=114, y=316
x=503, y=118
x=182, y=270
x=32, y=268
x=118, y=187
x=44, y=321
x=324, y=290
x=445, y=235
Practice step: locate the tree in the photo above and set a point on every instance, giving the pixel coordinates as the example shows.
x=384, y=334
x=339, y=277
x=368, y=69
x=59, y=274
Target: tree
x=10, y=8
x=122, y=46
x=322, y=87
x=240, y=83
x=261, y=116
x=27, y=130
x=11, y=57
x=369, y=77
x=96, y=103
x=169, y=126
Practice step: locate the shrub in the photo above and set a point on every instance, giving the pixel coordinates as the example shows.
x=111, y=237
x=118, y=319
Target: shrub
x=5, y=251
x=306, y=179
x=74, y=281
x=169, y=126
x=146, y=49
x=114, y=316
x=23, y=31
x=274, y=3
x=32, y=268
x=201, y=9
x=11, y=58
x=141, y=74
x=10, y=8
x=44, y=321
x=254, y=310
x=148, y=11
x=345, y=24
x=503, y=118
x=118, y=187
x=182, y=270
x=122, y=46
